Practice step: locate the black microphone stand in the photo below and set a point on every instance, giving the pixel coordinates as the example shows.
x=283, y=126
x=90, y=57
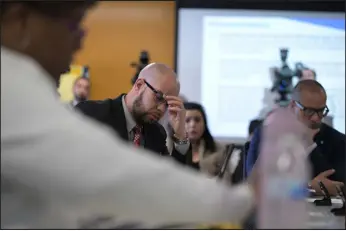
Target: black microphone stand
x=228, y=153
x=326, y=200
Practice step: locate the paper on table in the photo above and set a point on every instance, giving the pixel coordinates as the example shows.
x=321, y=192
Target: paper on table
x=334, y=200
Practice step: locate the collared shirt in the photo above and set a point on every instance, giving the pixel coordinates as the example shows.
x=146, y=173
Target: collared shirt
x=74, y=102
x=130, y=124
x=61, y=170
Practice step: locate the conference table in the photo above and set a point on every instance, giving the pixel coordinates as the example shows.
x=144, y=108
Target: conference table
x=320, y=217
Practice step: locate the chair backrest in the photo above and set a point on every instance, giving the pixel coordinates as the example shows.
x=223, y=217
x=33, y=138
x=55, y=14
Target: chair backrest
x=238, y=175
x=245, y=151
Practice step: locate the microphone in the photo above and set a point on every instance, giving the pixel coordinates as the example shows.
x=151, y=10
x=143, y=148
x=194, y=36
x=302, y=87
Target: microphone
x=228, y=153
x=326, y=200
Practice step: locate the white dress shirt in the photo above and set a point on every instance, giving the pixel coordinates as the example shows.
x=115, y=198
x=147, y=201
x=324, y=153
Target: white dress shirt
x=59, y=169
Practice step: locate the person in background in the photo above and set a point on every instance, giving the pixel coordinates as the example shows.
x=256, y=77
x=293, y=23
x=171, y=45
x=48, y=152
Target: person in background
x=254, y=124
x=61, y=170
x=252, y=127
x=311, y=74
x=81, y=90
x=135, y=115
x=327, y=145
x=308, y=74
x=206, y=155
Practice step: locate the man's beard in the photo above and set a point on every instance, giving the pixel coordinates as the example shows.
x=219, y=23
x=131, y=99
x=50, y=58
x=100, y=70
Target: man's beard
x=314, y=126
x=137, y=114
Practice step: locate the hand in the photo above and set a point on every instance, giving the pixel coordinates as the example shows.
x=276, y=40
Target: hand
x=176, y=115
x=330, y=184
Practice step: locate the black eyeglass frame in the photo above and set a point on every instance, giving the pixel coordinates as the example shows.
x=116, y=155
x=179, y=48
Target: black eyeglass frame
x=159, y=95
x=311, y=111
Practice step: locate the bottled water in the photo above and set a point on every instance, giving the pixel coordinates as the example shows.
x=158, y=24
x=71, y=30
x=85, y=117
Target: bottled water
x=283, y=173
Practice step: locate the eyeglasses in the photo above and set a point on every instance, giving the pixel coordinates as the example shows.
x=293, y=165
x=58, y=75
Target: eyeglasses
x=158, y=94
x=321, y=112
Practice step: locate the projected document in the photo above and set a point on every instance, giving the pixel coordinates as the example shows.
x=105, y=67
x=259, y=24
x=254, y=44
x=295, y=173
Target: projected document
x=238, y=51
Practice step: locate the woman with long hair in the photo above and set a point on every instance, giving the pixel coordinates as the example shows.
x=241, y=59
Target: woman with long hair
x=206, y=155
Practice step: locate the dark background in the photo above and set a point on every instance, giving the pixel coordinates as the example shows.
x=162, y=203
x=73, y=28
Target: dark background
x=301, y=5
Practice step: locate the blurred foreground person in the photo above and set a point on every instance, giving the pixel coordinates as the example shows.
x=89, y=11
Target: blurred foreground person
x=61, y=171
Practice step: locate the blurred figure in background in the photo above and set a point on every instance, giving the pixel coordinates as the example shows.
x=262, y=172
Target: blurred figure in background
x=60, y=170
x=252, y=127
x=81, y=90
x=206, y=155
x=308, y=74
x=327, y=145
x=254, y=124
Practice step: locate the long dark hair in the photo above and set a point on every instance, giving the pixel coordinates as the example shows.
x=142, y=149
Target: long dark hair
x=206, y=136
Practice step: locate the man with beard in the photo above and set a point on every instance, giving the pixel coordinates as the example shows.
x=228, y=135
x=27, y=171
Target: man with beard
x=81, y=90
x=327, y=145
x=135, y=115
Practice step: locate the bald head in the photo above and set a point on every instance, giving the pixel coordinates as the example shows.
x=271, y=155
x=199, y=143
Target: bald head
x=147, y=98
x=161, y=77
x=155, y=71
x=309, y=86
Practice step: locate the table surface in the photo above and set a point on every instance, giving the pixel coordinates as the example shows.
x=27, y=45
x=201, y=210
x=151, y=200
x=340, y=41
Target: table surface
x=322, y=218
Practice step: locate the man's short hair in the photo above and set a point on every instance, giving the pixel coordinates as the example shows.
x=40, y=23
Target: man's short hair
x=306, y=84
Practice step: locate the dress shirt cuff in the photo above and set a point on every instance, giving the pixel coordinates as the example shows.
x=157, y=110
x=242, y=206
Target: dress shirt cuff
x=182, y=148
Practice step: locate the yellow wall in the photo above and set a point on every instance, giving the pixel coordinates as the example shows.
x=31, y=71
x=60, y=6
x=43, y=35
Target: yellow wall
x=67, y=81
x=117, y=32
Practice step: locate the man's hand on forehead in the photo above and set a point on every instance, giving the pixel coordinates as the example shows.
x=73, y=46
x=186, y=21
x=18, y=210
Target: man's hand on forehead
x=176, y=112
x=174, y=101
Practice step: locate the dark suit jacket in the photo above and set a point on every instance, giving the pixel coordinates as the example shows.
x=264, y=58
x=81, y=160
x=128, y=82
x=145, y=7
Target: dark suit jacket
x=111, y=113
x=329, y=153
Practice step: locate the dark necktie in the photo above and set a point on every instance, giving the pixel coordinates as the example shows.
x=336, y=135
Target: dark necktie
x=137, y=134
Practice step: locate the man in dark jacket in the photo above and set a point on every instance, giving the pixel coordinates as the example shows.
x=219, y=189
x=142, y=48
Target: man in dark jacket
x=328, y=157
x=134, y=116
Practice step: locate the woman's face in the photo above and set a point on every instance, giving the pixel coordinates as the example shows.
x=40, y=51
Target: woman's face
x=194, y=124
